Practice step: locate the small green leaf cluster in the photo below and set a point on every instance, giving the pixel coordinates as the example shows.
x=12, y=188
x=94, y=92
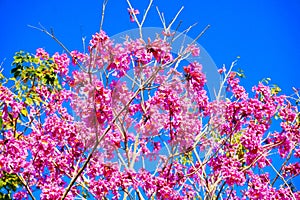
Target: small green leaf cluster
x=8, y=183
x=30, y=72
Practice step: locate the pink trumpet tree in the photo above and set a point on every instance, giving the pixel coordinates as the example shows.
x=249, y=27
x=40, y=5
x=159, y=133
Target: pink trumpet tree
x=130, y=120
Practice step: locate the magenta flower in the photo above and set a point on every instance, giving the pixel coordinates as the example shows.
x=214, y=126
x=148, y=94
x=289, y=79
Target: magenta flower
x=132, y=12
x=42, y=54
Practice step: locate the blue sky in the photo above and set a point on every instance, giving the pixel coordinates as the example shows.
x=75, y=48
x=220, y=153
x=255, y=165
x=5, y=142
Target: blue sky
x=264, y=33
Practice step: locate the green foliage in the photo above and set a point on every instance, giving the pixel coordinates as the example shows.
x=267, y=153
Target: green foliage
x=240, y=73
x=187, y=158
x=37, y=71
x=1, y=77
x=8, y=183
x=275, y=89
x=266, y=80
x=1, y=121
x=5, y=196
x=30, y=72
x=241, y=150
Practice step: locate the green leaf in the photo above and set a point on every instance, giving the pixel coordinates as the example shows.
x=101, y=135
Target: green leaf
x=23, y=87
x=5, y=196
x=266, y=80
x=275, y=89
x=1, y=122
x=24, y=112
x=36, y=60
x=29, y=101
x=1, y=76
x=17, y=70
x=10, y=182
x=37, y=100
x=241, y=73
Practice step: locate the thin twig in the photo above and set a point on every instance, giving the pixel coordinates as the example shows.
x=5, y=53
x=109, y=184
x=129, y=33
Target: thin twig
x=283, y=164
x=185, y=35
x=103, y=12
x=2, y=62
x=162, y=18
x=175, y=31
x=282, y=178
x=140, y=24
x=134, y=15
x=57, y=41
x=174, y=19
x=225, y=79
x=147, y=10
x=183, y=32
x=200, y=35
x=26, y=186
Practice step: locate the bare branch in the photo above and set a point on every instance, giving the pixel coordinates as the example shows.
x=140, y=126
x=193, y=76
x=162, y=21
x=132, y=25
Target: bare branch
x=174, y=19
x=42, y=29
x=283, y=164
x=134, y=15
x=162, y=18
x=103, y=12
x=146, y=12
x=200, y=35
x=282, y=178
x=26, y=185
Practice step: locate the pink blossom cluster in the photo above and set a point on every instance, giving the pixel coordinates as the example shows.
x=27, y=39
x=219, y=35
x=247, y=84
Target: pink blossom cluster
x=62, y=61
x=229, y=169
x=41, y=53
x=78, y=57
x=158, y=137
x=10, y=107
x=259, y=188
x=238, y=91
x=195, y=51
x=103, y=104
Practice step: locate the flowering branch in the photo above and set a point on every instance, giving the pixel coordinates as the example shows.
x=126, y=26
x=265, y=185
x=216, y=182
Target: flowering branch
x=131, y=121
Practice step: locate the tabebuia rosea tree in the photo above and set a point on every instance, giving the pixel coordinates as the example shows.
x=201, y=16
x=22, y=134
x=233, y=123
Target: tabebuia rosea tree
x=134, y=120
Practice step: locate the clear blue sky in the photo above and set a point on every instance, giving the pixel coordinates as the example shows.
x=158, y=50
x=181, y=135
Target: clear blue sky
x=265, y=33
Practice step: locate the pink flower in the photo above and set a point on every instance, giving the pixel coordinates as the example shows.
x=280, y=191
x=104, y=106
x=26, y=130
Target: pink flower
x=132, y=12
x=62, y=61
x=99, y=39
x=222, y=70
x=297, y=153
x=78, y=57
x=193, y=49
x=102, y=98
x=195, y=75
x=42, y=54
x=291, y=170
x=160, y=50
x=230, y=169
x=168, y=33
x=238, y=91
